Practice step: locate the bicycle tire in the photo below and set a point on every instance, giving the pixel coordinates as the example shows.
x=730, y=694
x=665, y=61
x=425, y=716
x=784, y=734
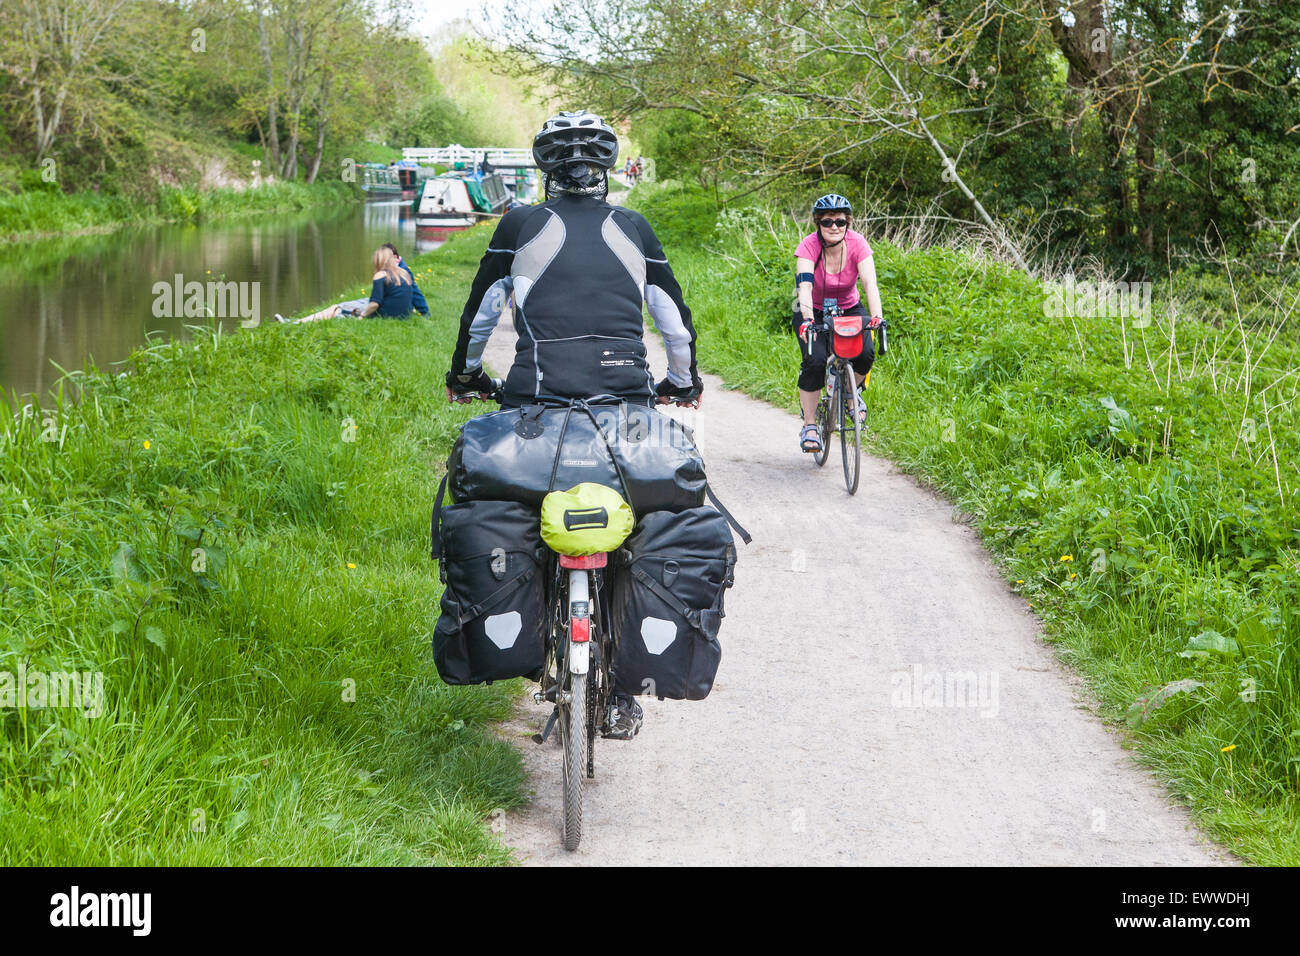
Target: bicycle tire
x=823, y=426
x=573, y=725
x=850, y=436
x=594, y=698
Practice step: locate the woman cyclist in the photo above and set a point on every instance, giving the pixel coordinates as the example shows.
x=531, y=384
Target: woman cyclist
x=829, y=264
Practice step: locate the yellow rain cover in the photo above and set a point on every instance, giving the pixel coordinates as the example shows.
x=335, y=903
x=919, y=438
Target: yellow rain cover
x=587, y=519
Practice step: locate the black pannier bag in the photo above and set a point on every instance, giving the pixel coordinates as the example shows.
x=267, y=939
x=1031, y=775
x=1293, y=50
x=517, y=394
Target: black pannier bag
x=517, y=455
x=493, y=621
x=666, y=603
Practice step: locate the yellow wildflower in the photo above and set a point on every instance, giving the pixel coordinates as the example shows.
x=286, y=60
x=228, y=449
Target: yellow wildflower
x=1228, y=749
x=146, y=446
x=351, y=565
x=1067, y=557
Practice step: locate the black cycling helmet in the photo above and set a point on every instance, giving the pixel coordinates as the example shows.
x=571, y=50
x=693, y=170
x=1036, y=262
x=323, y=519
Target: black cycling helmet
x=573, y=139
x=832, y=202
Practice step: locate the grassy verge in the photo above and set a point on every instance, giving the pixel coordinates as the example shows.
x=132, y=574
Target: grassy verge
x=235, y=535
x=41, y=213
x=1136, y=479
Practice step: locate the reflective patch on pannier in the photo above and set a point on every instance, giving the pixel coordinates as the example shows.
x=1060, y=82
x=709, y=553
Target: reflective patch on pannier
x=658, y=634
x=503, y=629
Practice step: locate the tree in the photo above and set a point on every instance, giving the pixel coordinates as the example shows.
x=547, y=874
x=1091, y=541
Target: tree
x=1118, y=112
x=55, y=49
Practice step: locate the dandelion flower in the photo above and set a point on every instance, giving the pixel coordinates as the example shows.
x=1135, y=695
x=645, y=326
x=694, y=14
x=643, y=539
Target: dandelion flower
x=1228, y=749
x=351, y=565
x=146, y=446
x=1020, y=582
x=1073, y=575
x=1067, y=557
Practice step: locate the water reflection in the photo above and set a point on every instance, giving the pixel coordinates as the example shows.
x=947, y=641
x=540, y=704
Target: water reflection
x=67, y=301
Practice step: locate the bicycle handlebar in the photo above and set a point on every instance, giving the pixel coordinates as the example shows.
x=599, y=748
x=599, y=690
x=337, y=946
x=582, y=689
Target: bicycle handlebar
x=498, y=395
x=467, y=398
x=816, y=327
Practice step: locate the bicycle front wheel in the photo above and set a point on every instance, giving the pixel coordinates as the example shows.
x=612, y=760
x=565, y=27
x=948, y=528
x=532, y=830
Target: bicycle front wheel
x=573, y=727
x=850, y=433
x=823, y=426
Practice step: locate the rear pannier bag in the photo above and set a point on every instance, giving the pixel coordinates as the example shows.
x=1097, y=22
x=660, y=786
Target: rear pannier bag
x=666, y=603
x=492, y=625
x=517, y=455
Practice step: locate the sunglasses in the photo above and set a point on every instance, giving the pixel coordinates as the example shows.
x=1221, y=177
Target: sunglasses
x=837, y=223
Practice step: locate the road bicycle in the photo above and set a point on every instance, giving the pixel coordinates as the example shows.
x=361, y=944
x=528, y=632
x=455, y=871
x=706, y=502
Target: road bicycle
x=837, y=409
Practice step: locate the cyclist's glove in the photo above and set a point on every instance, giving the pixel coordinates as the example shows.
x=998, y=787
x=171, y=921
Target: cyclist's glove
x=469, y=383
x=666, y=391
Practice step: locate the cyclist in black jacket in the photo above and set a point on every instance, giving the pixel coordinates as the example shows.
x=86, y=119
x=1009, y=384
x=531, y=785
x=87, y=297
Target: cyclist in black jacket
x=578, y=270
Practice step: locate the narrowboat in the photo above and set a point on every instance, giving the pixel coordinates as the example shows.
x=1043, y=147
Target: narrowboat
x=457, y=200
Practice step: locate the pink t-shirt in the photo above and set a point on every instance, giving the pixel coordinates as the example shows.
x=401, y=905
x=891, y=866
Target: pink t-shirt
x=843, y=285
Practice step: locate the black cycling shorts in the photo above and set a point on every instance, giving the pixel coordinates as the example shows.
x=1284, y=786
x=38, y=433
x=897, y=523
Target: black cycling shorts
x=812, y=373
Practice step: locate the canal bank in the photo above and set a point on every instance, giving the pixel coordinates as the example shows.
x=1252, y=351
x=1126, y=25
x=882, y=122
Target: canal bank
x=74, y=300
x=235, y=536
x=36, y=214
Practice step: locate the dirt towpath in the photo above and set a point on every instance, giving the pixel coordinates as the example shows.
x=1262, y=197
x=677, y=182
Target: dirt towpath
x=820, y=743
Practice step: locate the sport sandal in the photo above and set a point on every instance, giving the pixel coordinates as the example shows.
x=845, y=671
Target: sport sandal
x=810, y=439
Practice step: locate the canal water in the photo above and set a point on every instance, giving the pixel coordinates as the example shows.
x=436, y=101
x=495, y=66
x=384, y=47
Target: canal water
x=68, y=301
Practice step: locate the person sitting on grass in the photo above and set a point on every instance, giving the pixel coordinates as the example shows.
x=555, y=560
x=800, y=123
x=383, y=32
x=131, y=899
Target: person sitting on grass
x=417, y=297
x=391, y=294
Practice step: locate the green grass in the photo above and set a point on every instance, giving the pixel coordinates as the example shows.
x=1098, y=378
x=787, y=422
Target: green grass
x=37, y=213
x=1138, y=493
x=272, y=700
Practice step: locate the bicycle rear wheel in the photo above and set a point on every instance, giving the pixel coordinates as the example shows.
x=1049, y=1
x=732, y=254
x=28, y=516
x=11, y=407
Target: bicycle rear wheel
x=850, y=443
x=573, y=728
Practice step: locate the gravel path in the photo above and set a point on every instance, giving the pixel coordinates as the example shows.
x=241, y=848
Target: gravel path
x=820, y=743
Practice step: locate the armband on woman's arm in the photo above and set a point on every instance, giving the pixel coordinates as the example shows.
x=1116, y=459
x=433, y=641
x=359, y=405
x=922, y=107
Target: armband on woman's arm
x=803, y=277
